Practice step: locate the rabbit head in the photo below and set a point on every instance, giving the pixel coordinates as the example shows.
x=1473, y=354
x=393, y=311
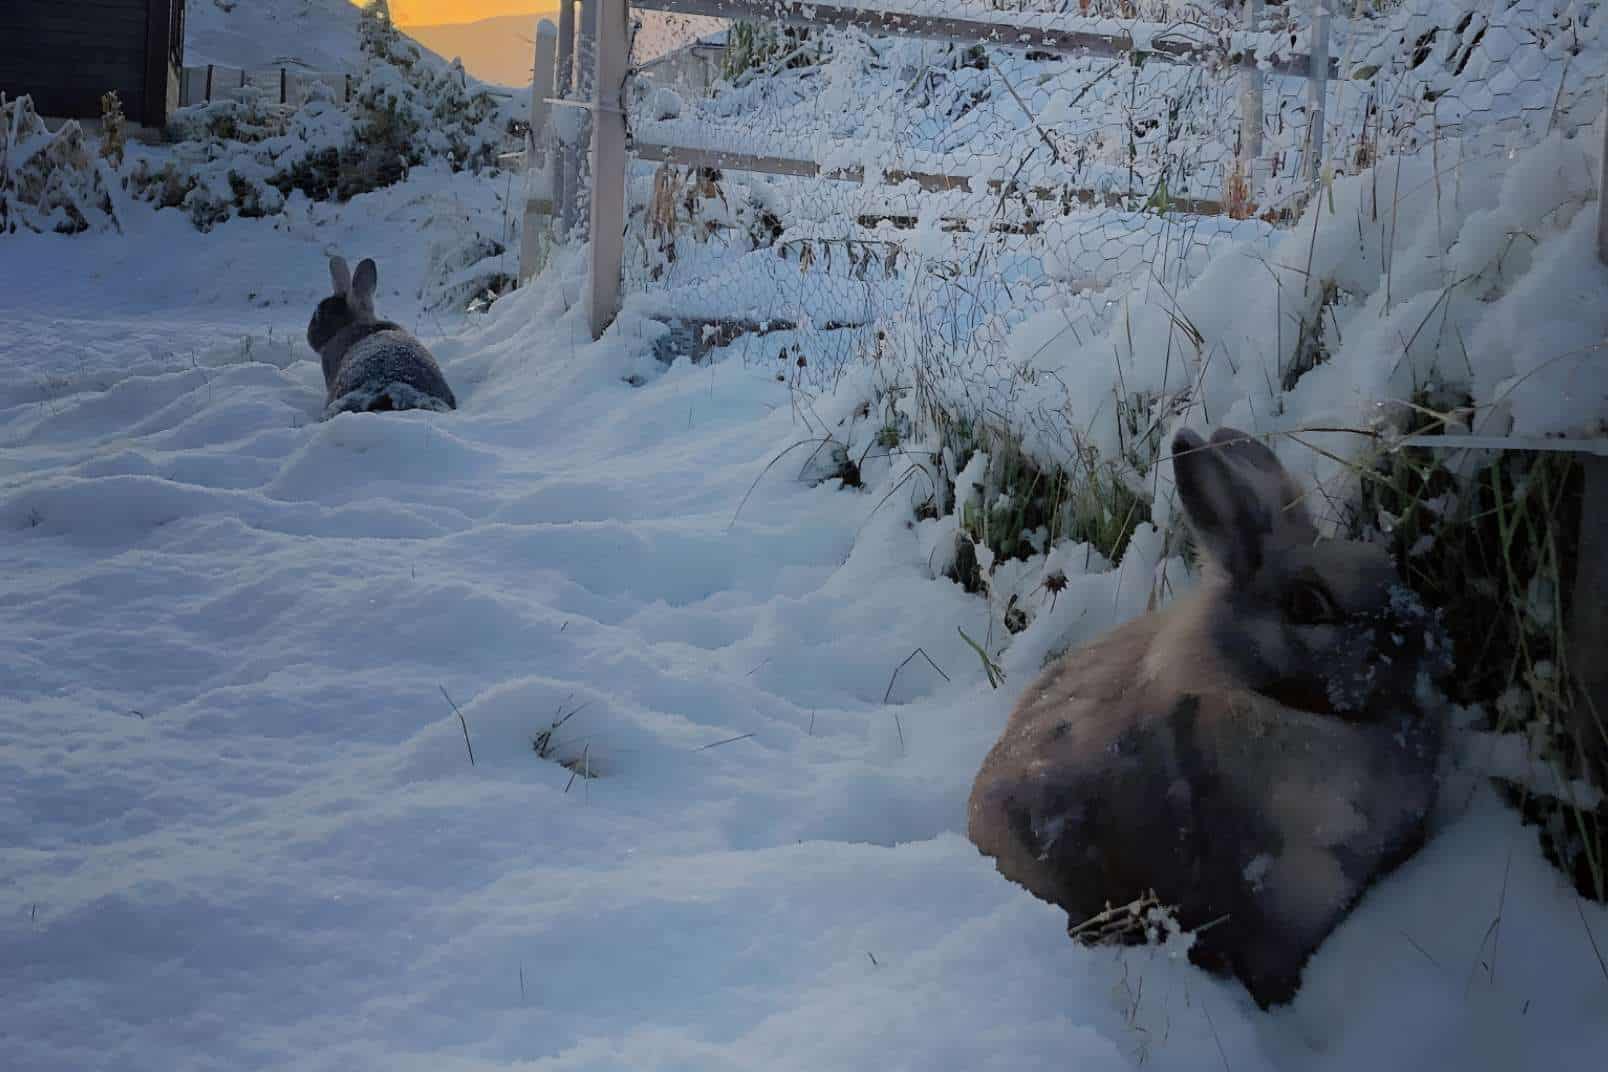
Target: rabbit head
x=351, y=304
x=1320, y=626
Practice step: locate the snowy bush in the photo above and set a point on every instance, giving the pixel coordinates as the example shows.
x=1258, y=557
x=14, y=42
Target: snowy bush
x=467, y=270
x=49, y=182
x=418, y=108
x=243, y=156
x=665, y=103
x=114, y=134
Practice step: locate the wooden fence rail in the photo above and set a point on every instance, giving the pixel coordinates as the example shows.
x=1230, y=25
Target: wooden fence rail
x=1185, y=44
x=1077, y=36
x=927, y=181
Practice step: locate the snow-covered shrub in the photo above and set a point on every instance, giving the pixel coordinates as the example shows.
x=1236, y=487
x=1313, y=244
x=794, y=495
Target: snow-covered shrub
x=753, y=48
x=665, y=103
x=249, y=116
x=49, y=181
x=417, y=109
x=245, y=155
x=114, y=136
x=467, y=270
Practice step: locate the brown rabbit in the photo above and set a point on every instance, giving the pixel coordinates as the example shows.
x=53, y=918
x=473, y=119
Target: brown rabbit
x=1255, y=753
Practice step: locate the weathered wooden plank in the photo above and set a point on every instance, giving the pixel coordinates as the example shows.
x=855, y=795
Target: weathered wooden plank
x=566, y=47
x=153, y=110
x=961, y=31
x=65, y=56
x=928, y=181
x=1588, y=624
x=1596, y=447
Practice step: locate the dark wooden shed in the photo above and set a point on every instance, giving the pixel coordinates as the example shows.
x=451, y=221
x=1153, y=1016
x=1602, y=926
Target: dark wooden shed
x=67, y=53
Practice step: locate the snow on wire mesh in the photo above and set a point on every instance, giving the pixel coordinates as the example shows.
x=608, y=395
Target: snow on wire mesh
x=977, y=186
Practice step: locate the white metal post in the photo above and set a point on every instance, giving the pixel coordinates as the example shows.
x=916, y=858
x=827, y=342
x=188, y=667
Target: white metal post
x=542, y=90
x=608, y=160
x=1251, y=93
x=535, y=235
x=1602, y=192
x=1318, y=88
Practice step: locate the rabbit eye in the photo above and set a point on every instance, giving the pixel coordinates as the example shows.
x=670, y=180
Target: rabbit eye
x=1310, y=604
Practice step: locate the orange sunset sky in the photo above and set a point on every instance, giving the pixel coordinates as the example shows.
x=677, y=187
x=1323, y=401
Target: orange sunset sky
x=429, y=12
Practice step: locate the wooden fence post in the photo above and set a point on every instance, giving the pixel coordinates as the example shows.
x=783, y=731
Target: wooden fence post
x=576, y=218
x=1588, y=625
x=1317, y=88
x=534, y=236
x=608, y=160
x=566, y=46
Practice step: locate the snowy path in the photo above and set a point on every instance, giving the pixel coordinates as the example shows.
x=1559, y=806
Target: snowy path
x=239, y=827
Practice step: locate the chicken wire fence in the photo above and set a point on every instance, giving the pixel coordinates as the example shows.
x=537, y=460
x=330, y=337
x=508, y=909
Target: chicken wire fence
x=974, y=185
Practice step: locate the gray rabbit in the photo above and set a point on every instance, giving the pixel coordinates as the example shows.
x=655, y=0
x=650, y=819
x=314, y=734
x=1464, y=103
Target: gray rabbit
x=1255, y=754
x=370, y=365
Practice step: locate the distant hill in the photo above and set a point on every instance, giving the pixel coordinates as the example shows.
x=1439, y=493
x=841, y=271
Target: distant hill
x=319, y=34
x=322, y=35
x=501, y=49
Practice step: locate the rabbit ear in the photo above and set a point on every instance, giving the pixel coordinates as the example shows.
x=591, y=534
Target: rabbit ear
x=1226, y=498
x=366, y=279
x=340, y=275
x=1246, y=448
x=1259, y=466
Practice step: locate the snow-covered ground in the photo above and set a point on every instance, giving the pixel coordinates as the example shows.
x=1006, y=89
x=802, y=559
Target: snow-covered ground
x=239, y=823
x=318, y=34
x=574, y=730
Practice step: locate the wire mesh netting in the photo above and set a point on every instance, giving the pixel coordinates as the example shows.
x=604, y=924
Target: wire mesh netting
x=935, y=194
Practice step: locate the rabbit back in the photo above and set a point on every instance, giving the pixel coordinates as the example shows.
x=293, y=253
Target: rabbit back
x=384, y=367
x=1259, y=823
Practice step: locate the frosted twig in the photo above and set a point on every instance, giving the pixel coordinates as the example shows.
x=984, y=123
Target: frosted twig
x=463, y=722
x=921, y=652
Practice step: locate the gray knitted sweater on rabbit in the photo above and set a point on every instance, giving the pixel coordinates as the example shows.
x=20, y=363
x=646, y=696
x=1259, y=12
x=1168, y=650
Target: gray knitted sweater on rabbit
x=364, y=362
